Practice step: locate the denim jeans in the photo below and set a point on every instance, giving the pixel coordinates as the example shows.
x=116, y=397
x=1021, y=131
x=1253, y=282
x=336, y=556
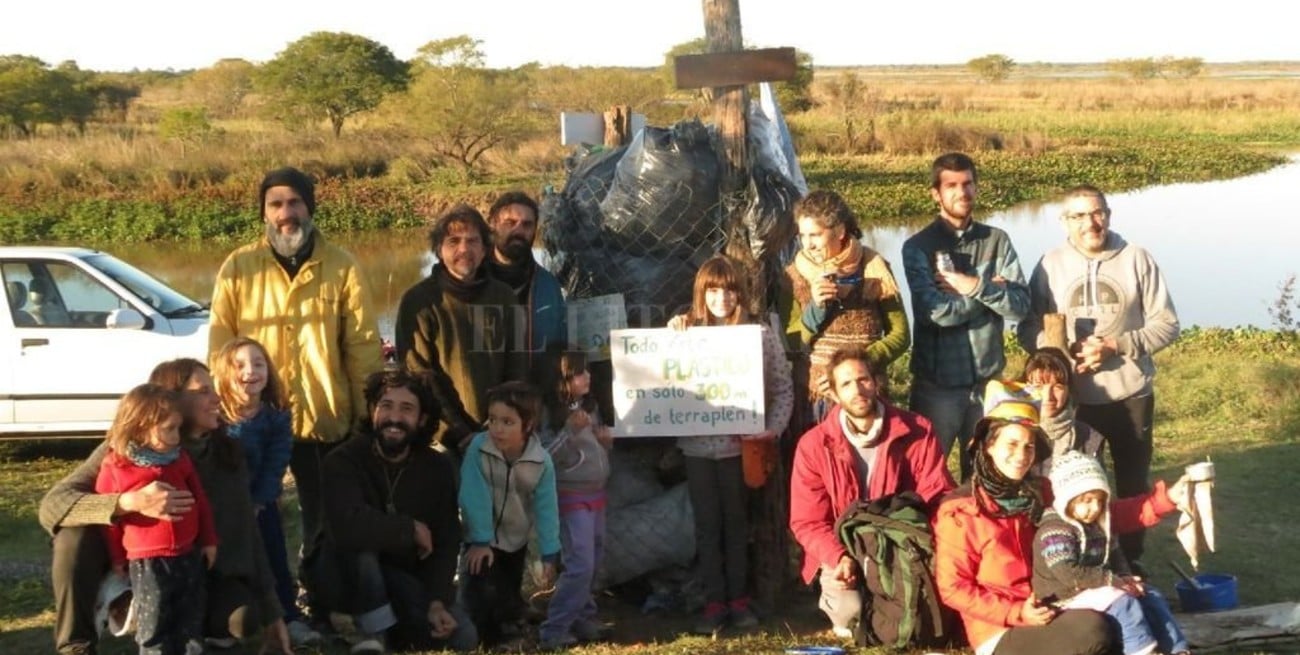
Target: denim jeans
x=1126, y=612
x=1160, y=619
x=953, y=411
x=582, y=541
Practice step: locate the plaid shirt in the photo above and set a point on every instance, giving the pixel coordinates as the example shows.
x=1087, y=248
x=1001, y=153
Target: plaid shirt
x=957, y=340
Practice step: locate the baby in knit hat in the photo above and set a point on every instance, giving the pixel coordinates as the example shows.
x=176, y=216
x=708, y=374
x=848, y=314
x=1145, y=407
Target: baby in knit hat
x=1078, y=566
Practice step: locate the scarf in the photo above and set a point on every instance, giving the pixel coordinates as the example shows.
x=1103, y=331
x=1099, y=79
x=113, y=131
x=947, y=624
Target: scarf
x=1010, y=497
x=462, y=290
x=847, y=264
x=519, y=275
x=854, y=265
x=141, y=456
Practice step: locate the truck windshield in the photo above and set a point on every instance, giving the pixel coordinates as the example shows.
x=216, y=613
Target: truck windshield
x=159, y=296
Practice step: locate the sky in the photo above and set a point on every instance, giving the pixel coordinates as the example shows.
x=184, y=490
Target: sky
x=150, y=34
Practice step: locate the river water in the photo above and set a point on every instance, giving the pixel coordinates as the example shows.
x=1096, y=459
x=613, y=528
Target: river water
x=1224, y=247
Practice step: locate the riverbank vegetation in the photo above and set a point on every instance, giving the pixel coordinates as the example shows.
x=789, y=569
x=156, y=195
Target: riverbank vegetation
x=181, y=158
x=1230, y=395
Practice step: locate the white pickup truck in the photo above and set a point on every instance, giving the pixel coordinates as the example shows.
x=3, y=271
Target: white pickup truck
x=78, y=329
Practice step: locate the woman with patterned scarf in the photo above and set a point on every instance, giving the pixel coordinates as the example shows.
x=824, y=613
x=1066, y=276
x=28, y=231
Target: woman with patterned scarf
x=984, y=532
x=837, y=293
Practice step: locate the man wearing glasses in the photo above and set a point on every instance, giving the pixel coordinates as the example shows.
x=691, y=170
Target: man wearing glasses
x=1118, y=314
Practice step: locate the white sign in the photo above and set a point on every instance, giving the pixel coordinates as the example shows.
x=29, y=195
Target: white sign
x=592, y=319
x=581, y=127
x=696, y=382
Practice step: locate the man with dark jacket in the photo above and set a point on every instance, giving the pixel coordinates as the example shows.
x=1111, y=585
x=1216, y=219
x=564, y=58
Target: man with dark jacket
x=863, y=450
x=460, y=327
x=392, y=531
x=513, y=219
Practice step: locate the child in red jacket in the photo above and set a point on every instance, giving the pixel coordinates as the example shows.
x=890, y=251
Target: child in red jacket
x=166, y=574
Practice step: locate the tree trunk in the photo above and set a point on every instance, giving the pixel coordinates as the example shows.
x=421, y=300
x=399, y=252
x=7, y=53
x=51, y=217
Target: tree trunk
x=768, y=566
x=618, y=126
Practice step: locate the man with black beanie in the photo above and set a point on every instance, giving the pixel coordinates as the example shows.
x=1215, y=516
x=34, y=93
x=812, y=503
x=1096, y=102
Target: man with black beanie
x=303, y=299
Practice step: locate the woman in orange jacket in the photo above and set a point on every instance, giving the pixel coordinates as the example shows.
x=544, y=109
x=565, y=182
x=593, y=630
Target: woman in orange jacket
x=984, y=535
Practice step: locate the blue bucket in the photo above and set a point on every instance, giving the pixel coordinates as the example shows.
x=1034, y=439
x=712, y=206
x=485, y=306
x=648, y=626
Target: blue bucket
x=1215, y=592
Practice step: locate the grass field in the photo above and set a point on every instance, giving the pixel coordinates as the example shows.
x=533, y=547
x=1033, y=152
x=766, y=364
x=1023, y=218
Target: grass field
x=1231, y=395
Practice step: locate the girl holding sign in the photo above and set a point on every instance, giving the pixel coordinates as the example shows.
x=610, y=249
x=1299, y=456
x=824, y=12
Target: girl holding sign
x=714, y=473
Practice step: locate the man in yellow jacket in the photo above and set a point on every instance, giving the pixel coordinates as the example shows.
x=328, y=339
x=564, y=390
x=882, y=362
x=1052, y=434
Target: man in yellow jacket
x=303, y=298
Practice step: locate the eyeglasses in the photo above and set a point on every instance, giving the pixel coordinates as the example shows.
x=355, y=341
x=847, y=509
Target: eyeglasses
x=1096, y=214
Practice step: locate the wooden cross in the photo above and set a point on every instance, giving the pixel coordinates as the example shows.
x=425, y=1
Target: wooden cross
x=728, y=68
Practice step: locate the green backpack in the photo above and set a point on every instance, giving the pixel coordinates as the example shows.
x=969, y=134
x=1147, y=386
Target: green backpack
x=891, y=540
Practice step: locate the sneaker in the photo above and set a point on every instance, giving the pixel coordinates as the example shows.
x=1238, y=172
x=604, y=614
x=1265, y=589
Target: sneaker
x=369, y=645
x=591, y=630
x=301, y=634
x=564, y=641
x=711, y=622
x=221, y=642
x=741, y=615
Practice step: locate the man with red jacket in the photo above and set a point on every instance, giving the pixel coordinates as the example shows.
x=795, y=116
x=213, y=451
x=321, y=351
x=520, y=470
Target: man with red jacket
x=863, y=450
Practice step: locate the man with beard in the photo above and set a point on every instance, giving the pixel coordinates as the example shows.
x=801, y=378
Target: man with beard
x=459, y=326
x=303, y=299
x=513, y=219
x=965, y=281
x=391, y=527
x=1119, y=314
x=865, y=449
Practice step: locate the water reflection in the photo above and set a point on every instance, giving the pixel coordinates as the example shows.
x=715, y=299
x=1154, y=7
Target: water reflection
x=390, y=261
x=1223, y=247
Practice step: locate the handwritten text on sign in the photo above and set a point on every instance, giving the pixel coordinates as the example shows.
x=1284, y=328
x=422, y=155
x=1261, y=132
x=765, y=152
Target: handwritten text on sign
x=592, y=319
x=701, y=381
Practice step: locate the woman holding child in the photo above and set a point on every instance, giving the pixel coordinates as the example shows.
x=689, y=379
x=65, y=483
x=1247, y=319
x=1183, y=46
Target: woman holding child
x=240, y=596
x=984, y=534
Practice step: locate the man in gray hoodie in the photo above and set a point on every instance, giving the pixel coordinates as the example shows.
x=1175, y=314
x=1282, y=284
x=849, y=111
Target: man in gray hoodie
x=1118, y=314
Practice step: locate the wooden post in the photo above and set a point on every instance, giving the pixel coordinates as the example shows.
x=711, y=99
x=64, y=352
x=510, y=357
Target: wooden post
x=618, y=126
x=722, y=32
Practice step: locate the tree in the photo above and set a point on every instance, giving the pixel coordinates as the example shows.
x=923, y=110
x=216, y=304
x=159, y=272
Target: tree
x=992, y=68
x=795, y=94
x=222, y=87
x=113, y=95
x=332, y=75
x=1182, y=67
x=856, y=106
x=32, y=93
x=186, y=125
x=1135, y=69
x=669, y=69
x=561, y=88
x=464, y=108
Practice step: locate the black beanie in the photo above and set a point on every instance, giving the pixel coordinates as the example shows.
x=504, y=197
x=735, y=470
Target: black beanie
x=290, y=177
